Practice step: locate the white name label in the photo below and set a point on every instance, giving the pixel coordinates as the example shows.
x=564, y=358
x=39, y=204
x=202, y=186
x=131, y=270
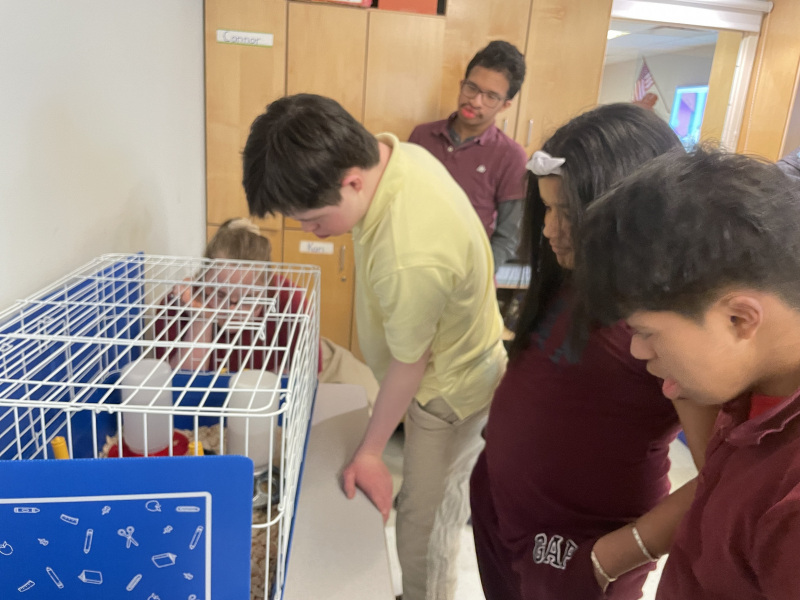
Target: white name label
x=307, y=247
x=244, y=38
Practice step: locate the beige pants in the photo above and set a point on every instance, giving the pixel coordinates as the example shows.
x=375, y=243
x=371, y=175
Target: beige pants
x=339, y=365
x=433, y=503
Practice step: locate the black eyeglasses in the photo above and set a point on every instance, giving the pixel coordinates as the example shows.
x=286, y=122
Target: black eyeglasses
x=490, y=99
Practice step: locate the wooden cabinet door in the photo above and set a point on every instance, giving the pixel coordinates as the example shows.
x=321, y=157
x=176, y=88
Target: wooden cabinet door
x=404, y=65
x=240, y=81
x=564, y=57
x=334, y=256
x=470, y=26
x=289, y=223
x=327, y=49
x=774, y=85
x=720, y=81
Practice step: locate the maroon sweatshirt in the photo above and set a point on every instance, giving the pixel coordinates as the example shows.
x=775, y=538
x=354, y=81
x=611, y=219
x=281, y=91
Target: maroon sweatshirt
x=573, y=450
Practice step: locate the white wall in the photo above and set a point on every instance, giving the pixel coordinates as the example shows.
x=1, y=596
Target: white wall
x=101, y=134
x=689, y=67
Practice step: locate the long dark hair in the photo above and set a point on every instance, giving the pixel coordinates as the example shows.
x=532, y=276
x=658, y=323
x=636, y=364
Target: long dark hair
x=600, y=147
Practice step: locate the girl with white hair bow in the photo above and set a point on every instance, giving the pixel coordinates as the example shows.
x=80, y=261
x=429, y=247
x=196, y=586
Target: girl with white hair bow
x=570, y=498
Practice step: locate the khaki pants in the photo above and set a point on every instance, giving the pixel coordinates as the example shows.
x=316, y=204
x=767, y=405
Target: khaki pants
x=433, y=503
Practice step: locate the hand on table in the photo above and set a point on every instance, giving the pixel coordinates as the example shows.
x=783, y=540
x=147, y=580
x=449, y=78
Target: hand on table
x=369, y=473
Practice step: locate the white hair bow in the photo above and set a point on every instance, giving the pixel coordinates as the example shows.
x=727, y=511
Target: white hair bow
x=542, y=164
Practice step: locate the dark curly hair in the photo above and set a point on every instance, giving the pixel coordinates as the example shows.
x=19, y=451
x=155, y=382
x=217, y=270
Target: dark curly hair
x=502, y=57
x=683, y=230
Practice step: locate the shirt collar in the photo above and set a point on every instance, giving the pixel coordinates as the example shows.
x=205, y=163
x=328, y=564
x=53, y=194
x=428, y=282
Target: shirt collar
x=442, y=128
x=387, y=187
x=738, y=430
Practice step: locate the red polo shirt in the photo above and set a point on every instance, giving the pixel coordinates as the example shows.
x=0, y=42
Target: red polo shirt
x=490, y=168
x=740, y=539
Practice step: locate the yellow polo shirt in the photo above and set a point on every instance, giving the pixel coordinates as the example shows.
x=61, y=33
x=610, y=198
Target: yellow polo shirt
x=424, y=278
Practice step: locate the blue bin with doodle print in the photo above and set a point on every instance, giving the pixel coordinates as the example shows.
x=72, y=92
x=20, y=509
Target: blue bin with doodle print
x=154, y=528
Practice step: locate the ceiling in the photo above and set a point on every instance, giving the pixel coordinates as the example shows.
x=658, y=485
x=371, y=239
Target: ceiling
x=648, y=39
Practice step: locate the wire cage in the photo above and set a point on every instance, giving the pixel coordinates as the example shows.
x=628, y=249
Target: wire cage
x=137, y=355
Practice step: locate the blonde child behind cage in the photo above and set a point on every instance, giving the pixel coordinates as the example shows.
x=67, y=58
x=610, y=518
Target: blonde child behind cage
x=240, y=239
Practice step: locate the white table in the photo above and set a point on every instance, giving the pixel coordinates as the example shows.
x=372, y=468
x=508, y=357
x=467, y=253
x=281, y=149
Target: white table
x=339, y=547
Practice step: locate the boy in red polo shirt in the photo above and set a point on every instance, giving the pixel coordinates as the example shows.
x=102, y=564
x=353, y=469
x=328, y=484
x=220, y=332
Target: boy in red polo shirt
x=701, y=254
x=487, y=164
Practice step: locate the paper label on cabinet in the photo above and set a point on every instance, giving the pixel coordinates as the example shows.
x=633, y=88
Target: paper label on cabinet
x=244, y=38
x=309, y=247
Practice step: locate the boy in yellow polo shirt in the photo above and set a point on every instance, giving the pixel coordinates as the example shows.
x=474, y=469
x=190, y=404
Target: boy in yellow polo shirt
x=427, y=315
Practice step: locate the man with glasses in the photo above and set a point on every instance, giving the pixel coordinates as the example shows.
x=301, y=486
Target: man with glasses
x=485, y=162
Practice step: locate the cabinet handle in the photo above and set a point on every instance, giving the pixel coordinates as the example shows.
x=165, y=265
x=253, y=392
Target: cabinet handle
x=530, y=131
x=342, y=251
x=505, y=124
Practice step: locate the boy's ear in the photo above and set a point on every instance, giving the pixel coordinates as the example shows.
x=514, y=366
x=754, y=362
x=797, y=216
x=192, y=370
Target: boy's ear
x=746, y=313
x=354, y=178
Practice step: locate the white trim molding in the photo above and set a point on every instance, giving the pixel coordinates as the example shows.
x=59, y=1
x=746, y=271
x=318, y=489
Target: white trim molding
x=738, y=15
x=741, y=81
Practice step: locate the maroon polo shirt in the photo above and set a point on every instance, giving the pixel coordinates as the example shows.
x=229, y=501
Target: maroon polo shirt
x=740, y=539
x=490, y=168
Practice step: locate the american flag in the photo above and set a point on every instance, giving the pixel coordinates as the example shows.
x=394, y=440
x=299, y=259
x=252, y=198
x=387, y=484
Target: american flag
x=643, y=83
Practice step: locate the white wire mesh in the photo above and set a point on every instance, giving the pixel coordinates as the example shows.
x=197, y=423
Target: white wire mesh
x=67, y=355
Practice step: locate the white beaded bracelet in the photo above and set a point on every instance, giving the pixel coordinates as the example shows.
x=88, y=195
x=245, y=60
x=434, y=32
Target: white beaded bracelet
x=601, y=570
x=641, y=545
